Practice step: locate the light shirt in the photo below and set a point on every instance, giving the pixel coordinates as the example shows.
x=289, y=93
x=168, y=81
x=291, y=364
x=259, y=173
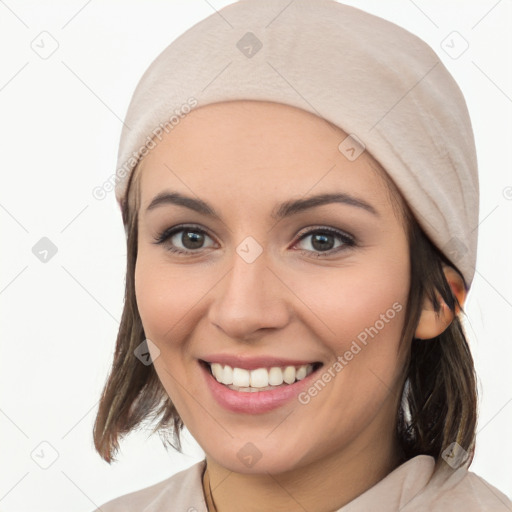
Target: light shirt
x=415, y=486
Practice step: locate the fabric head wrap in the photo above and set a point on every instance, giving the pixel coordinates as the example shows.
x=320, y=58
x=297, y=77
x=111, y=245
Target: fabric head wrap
x=376, y=81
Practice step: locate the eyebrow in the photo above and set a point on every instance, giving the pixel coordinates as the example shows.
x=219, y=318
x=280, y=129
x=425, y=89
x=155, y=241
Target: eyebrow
x=282, y=210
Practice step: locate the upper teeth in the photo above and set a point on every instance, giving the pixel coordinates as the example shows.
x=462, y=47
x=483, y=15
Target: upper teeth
x=261, y=377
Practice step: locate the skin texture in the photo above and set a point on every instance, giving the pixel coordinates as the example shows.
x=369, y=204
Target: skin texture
x=243, y=158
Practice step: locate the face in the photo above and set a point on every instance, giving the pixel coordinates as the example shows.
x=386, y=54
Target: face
x=252, y=274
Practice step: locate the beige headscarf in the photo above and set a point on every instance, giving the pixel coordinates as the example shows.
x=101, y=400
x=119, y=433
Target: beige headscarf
x=375, y=80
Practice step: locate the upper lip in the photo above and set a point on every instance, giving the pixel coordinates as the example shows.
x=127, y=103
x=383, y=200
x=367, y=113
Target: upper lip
x=252, y=363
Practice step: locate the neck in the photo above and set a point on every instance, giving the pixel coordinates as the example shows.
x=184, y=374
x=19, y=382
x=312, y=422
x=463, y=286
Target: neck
x=322, y=486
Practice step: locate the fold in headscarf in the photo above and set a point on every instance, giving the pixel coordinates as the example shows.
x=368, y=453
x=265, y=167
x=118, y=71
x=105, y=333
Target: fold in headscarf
x=382, y=85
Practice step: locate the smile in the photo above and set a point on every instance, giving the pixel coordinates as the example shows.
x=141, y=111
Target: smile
x=263, y=385
x=259, y=379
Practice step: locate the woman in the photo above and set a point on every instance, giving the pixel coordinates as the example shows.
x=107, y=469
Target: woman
x=299, y=189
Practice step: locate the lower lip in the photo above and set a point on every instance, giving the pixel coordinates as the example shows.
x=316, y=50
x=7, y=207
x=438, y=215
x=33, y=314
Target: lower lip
x=253, y=402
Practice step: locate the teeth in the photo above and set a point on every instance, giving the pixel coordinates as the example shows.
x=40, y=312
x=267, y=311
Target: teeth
x=217, y=371
x=301, y=373
x=259, y=379
x=241, y=377
x=227, y=375
x=289, y=375
x=275, y=376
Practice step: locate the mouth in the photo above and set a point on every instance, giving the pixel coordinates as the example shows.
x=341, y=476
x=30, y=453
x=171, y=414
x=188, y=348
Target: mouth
x=259, y=379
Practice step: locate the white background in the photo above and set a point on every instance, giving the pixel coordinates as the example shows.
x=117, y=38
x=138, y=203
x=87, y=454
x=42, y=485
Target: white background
x=60, y=122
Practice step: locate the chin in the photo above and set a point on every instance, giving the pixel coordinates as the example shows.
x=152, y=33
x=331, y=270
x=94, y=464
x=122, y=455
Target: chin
x=258, y=457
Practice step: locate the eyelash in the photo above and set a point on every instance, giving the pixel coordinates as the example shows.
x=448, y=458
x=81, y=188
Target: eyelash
x=348, y=240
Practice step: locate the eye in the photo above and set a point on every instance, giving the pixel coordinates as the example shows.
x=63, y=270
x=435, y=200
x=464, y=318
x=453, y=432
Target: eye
x=325, y=241
x=190, y=239
x=183, y=239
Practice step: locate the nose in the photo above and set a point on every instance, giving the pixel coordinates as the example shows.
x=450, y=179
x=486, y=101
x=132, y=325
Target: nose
x=248, y=299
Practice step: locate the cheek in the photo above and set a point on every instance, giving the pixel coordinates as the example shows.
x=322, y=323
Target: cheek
x=170, y=299
x=363, y=306
x=162, y=297
x=168, y=309
x=358, y=301
x=154, y=300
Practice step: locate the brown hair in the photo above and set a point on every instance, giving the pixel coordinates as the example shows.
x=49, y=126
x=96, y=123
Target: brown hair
x=439, y=397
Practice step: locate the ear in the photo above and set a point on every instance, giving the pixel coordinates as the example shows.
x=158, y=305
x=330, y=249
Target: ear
x=432, y=324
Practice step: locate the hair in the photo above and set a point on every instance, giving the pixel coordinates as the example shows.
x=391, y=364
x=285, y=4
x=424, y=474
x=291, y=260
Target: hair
x=438, y=404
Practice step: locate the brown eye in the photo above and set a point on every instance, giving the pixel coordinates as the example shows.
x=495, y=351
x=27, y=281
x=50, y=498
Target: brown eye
x=191, y=239
x=325, y=241
x=184, y=239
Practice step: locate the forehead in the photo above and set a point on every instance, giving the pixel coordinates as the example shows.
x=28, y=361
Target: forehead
x=252, y=151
